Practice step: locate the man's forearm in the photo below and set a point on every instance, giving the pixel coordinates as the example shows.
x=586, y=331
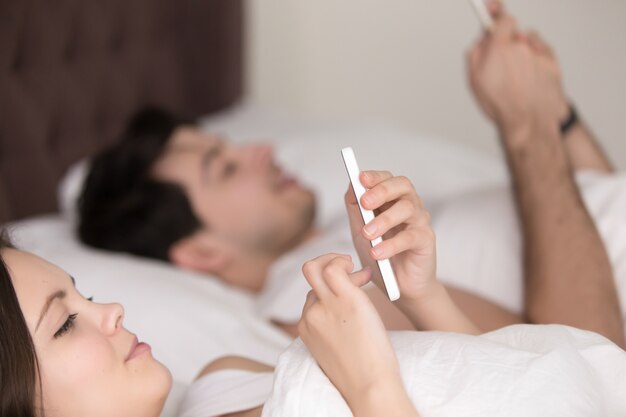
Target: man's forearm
x=584, y=151
x=569, y=278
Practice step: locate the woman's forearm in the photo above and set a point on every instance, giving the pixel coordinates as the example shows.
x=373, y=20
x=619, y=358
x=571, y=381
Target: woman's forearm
x=435, y=310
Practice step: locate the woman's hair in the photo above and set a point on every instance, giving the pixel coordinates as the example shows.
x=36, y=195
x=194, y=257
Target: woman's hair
x=18, y=361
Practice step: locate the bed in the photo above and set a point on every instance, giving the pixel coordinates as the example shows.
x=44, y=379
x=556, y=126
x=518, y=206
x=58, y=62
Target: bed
x=71, y=74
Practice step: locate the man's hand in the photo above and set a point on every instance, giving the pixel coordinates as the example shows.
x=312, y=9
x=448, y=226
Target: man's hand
x=515, y=78
x=568, y=275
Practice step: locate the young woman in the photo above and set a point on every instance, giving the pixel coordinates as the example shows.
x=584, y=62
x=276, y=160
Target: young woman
x=63, y=355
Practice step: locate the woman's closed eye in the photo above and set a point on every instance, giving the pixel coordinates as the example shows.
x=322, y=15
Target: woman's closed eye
x=67, y=326
x=69, y=323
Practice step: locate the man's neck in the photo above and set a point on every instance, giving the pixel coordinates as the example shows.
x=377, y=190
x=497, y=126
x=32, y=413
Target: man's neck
x=309, y=235
x=251, y=274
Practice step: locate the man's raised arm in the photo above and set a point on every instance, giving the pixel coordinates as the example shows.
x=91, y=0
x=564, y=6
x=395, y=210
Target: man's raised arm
x=569, y=279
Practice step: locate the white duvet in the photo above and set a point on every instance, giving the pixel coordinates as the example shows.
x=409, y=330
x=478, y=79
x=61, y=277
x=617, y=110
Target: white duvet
x=522, y=370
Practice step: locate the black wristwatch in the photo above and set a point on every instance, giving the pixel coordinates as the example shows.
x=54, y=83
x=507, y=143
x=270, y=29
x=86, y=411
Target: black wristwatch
x=570, y=121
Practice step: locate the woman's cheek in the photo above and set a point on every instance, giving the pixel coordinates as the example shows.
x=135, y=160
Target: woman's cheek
x=80, y=364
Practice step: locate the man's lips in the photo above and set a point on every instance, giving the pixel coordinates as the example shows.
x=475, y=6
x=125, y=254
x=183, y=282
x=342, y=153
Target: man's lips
x=285, y=180
x=137, y=348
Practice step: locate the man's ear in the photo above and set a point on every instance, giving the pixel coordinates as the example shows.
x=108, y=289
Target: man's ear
x=200, y=252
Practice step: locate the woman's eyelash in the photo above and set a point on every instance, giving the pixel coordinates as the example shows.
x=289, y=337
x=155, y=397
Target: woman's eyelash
x=67, y=326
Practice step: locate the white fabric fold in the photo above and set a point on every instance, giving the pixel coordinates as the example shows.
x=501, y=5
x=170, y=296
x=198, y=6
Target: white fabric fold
x=225, y=392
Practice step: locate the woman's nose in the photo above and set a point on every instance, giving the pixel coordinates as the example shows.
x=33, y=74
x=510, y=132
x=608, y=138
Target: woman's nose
x=113, y=318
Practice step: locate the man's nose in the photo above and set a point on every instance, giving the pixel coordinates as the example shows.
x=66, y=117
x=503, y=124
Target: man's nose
x=258, y=155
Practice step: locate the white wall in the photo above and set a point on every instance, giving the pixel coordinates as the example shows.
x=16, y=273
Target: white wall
x=402, y=61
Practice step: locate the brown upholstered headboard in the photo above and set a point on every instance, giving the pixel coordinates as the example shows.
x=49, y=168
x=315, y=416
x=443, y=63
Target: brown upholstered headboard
x=72, y=71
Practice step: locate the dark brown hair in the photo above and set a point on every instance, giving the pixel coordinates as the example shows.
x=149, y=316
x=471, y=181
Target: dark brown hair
x=122, y=208
x=18, y=360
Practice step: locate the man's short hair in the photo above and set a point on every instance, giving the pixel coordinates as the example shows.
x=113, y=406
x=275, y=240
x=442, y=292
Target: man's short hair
x=122, y=208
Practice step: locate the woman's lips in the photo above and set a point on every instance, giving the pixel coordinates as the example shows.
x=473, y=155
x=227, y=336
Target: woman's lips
x=137, y=349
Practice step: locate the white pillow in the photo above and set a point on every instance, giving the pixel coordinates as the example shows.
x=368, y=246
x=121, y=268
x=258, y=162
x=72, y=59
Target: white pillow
x=70, y=188
x=479, y=239
x=517, y=371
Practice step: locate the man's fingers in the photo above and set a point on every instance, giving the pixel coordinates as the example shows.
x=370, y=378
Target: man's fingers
x=474, y=56
x=504, y=29
x=495, y=7
x=539, y=45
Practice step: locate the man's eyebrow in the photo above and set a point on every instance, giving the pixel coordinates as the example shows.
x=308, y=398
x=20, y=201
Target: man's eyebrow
x=60, y=294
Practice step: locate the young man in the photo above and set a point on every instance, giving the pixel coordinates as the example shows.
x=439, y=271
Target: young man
x=170, y=192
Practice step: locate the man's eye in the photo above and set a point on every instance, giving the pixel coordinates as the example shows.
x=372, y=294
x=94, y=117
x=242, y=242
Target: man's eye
x=229, y=169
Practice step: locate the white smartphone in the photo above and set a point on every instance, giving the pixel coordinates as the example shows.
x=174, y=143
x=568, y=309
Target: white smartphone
x=386, y=271
x=483, y=14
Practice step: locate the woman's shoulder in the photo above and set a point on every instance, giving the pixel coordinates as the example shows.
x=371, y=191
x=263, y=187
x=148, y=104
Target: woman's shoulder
x=234, y=362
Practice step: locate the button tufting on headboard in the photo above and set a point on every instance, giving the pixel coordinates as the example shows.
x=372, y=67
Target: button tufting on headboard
x=72, y=72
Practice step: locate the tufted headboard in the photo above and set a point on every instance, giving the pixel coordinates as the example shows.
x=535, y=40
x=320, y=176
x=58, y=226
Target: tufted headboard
x=73, y=71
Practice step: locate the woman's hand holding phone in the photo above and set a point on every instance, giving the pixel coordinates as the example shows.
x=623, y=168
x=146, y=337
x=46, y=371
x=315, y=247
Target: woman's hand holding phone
x=404, y=224
x=409, y=241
